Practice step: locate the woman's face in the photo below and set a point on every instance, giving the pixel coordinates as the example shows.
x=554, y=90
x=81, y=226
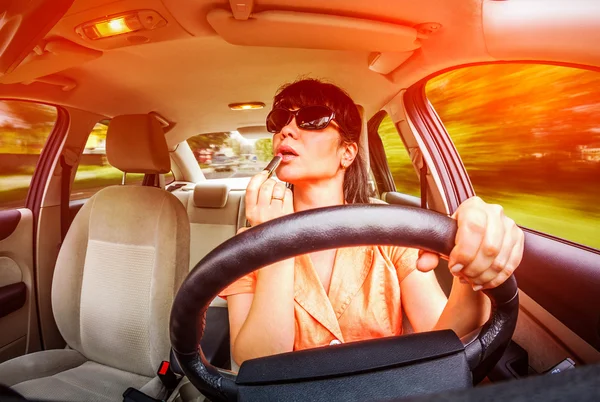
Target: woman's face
x=308, y=155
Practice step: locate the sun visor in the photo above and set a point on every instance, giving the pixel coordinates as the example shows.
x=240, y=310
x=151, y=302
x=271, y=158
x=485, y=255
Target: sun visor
x=254, y=132
x=53, y=56
x=313, y=31
x=23, y=24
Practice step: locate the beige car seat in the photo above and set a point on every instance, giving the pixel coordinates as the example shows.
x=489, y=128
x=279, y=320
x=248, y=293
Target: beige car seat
x=119, y=268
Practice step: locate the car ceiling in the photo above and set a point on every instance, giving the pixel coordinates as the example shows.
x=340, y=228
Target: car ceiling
x=189, y=74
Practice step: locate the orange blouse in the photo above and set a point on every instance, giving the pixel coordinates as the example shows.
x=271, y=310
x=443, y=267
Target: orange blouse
x=363, y=300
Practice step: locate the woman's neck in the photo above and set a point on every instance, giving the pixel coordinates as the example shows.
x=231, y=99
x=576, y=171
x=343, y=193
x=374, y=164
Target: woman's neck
x=311, y=195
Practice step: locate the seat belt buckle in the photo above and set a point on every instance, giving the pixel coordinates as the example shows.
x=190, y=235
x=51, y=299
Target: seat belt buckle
x=167, y=376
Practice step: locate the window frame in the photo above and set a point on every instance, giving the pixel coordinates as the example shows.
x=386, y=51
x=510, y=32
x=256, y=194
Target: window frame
x=439, y=146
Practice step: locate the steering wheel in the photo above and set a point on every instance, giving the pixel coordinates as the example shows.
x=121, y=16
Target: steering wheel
x=330, y=371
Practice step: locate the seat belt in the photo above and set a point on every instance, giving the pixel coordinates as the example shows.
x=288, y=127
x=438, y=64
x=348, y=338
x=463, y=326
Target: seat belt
x=66, y=165
x=423, y=179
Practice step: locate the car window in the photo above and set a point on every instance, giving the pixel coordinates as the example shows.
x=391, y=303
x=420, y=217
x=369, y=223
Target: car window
x=398, y=159
x=225, y=155
x=94, y=172
x=24, y=129
x=529, y=137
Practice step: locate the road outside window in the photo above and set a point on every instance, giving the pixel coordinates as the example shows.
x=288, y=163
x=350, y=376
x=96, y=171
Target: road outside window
x=529, y=137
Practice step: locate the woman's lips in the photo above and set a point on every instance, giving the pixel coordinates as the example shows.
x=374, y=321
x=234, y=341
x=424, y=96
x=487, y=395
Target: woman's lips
x=287, y=153
x=286, y=157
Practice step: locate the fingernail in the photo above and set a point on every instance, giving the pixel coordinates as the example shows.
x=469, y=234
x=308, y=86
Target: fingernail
x=264, y=172
x=477, y=288
x=457, y=268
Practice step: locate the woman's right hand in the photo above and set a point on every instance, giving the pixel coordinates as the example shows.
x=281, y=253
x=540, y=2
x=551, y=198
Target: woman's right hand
x=259, y=326
x=267, y=199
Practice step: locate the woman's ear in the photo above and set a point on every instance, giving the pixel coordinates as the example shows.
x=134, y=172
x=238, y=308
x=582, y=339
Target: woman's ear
x=350, y=150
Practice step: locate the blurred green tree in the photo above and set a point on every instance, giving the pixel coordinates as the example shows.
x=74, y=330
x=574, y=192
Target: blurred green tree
x=264, y=149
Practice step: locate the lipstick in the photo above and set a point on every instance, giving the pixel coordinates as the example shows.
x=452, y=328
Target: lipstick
x=273, y=164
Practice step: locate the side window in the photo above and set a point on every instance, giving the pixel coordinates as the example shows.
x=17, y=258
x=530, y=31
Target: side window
x=398, y=159
x=94, y=172
x=24, y=129
x=529, y=137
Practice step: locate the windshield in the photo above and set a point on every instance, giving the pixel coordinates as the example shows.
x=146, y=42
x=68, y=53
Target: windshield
x=230, y=155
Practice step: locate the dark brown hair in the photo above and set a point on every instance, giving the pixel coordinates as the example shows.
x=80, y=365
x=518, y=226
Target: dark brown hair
x=309, y=92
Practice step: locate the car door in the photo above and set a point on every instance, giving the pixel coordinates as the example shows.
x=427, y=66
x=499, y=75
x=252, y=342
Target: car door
x=525, y=136
x=30, y=134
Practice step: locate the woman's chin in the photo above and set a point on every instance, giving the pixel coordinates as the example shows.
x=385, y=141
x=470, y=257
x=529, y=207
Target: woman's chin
x=286, y=178
x=286, y=174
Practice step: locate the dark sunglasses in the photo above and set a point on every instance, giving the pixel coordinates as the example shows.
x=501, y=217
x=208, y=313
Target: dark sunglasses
x=307, y=118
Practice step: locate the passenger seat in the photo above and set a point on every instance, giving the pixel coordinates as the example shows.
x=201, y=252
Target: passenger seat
x=117, y=273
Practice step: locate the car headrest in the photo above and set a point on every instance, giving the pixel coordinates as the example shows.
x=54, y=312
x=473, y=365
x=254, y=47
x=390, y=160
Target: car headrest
x=210, y=195
x=135, y=143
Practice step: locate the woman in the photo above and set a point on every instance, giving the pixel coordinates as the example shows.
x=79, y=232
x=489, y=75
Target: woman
x=356, y=293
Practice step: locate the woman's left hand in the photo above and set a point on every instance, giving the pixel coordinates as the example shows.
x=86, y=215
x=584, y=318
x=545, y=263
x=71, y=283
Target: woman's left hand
x=489, y=246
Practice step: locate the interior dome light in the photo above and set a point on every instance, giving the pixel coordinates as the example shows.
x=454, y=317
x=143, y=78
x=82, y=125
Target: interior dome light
x=246, y=106
x=133, y=21
x=116, y=26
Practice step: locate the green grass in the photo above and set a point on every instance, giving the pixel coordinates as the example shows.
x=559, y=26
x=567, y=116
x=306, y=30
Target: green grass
x=89, y=176
x=14, y=198
x=550, y=214
x=14, y=188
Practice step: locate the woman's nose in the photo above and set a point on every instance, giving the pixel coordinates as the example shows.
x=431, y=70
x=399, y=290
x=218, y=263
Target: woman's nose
x=290, y=129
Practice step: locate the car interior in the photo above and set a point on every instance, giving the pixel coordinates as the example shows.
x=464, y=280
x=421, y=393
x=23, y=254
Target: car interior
x=113, y=295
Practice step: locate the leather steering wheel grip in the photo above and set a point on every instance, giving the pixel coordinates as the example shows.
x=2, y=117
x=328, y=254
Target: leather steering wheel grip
x=487, y=348
x=309, y=231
